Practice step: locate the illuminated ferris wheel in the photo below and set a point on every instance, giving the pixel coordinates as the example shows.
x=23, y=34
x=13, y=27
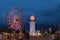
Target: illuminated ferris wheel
x=15, y=18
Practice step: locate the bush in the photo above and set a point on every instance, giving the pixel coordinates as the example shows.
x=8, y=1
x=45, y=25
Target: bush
x=57, y=38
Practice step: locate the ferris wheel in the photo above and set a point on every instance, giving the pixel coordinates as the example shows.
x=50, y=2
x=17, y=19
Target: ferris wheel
x=15, y=18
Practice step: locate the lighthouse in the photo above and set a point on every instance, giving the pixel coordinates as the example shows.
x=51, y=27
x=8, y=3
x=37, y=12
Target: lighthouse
x=32, y=26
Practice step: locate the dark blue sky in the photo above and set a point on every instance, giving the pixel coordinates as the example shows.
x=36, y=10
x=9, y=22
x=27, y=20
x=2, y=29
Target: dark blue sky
x=45, y=11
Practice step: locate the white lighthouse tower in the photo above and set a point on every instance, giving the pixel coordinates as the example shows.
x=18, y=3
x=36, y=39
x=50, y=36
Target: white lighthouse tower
x=32, y=26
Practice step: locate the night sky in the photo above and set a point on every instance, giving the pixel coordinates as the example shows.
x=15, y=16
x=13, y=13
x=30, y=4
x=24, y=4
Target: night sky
x=47, y=12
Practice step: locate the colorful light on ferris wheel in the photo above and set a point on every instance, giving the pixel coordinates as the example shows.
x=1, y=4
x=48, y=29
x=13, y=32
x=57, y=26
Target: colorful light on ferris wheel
x=15, y=18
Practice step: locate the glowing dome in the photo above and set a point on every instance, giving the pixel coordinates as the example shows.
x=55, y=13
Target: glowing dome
x=32, y=18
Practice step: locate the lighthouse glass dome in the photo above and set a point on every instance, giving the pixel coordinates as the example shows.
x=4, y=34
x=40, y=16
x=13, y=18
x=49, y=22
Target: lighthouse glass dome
x=15, y=18
x=32, y=18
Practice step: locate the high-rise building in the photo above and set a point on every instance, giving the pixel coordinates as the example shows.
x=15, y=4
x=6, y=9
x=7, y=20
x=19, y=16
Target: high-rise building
x=32, y=26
